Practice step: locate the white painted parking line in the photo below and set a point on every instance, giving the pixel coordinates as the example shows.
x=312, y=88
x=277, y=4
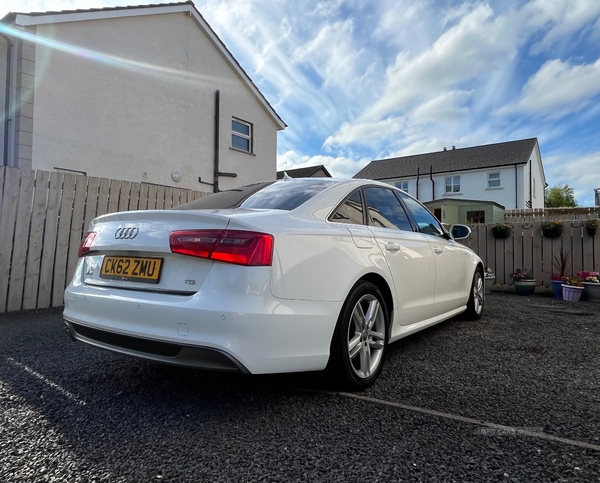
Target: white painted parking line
x=499, y=428
x=44, y=379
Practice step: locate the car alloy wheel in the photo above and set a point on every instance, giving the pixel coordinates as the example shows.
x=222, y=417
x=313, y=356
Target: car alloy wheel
x=476, y=299
x=359, y=343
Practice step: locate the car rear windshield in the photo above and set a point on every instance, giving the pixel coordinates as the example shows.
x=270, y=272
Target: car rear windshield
x=287, y=195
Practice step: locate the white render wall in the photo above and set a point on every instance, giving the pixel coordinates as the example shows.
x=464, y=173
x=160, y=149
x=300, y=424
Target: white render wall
x=151, y=115
x=473, y=186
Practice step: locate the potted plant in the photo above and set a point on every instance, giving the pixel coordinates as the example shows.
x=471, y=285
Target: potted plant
x=552, y=229
x=591, y=285
x=490, y=278
x=558, y=278
x=591, y=226
x=523, y=281
x=572, y=289
x=501, y=231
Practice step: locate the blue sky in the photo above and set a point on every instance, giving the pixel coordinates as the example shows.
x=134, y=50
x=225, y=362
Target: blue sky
x=359, y=80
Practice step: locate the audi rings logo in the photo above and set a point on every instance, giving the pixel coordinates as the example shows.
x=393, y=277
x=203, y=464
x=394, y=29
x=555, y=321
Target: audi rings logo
x=126, y=232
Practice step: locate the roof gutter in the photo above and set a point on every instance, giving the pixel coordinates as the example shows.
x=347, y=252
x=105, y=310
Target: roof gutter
x=9, y=46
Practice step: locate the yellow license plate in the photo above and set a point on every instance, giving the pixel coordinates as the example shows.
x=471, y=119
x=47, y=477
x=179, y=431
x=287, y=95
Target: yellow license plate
x=132, y=269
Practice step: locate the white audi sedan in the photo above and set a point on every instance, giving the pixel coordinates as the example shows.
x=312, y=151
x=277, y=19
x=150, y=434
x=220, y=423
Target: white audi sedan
x=294, y=275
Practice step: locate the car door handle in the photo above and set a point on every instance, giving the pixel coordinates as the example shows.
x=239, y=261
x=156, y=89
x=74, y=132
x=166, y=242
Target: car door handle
x=392, y=247
x=437, y=250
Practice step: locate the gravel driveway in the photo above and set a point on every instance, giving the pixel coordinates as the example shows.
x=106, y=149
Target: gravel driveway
x=457, y=402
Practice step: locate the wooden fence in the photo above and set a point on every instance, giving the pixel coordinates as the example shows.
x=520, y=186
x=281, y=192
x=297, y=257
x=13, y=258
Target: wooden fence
x=527, y=248
x=43, y=216
x=544, y=214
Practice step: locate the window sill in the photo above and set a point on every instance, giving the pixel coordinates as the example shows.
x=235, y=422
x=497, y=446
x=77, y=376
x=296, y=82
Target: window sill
x=241, y=151
x=452, y=194
x=495, y=188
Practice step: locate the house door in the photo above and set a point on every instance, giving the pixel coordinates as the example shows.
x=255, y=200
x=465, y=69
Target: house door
x=437, y=212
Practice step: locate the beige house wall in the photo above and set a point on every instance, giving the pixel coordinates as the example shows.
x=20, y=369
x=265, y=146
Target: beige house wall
x=133, y=98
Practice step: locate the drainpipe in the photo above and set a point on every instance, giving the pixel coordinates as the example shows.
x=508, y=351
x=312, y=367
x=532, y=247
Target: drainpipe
x=217, y=122
x=7, y=98
x=417, y=193
x=516, y=189
x=530, y=186
x=432, y=182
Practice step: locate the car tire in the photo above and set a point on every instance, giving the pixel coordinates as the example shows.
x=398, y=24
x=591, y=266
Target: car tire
x=477, y=296
x=359, y=342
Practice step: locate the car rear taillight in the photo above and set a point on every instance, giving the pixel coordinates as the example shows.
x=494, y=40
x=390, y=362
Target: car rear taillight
x=240, y=247
x=86, y=243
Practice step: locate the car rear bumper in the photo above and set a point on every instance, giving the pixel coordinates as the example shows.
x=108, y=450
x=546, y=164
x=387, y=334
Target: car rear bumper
x=177, y=354
x=236, y=332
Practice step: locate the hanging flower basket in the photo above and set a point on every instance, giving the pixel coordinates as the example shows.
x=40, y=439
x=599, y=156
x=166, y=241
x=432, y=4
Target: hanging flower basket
x=501, y=231
x=552, y=229
x=591, y=226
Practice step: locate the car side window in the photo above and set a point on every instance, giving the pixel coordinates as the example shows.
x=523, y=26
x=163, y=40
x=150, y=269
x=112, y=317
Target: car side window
x=350, y=211
x=385, y=210
x=427, y=223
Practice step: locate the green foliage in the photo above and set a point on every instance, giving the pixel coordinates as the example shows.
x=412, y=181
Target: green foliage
x=560, y=196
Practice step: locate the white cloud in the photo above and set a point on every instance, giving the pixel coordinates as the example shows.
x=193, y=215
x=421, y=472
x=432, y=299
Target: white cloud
x=338, y=167
x=368, y=133
x=559, y=19
x=449, y=107
x=469, y=49
x=578, y=171
x=332, y=54
x=557, y=89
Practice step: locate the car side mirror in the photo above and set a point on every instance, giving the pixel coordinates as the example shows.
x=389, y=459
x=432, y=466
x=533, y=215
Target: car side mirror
x=460, y=232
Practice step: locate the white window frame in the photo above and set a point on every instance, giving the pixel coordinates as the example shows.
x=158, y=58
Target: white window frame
x=494, y=179
x=403, y=185
x=241, y=135
x=454, y=186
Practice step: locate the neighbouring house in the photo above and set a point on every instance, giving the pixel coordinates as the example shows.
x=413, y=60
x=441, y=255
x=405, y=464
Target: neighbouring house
x=509, y=175
x=146, y=93
x=309, y=172
x=451, y=211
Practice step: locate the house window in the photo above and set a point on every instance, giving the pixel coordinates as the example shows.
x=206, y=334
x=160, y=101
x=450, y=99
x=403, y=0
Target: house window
x=475, y=217
x=493, y=180
x=403, y=185
x=241, y=135
x=453, y=184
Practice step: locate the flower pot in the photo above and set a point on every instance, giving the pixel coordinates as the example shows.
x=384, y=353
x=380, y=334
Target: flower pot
x=552, y=232
x=501, y=234
x=525, y=287
x=557, y=289
x=489, y=281
x=590, y=231
x=572, y=293
x=591, y=291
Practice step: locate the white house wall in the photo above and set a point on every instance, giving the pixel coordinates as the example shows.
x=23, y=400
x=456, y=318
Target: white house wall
x=146, y=110
x=474, y=186
x=537, y=198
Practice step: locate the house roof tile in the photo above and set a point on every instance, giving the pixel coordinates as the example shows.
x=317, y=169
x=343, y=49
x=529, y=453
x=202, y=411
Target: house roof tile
x=303, y=172
x=462, y=159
